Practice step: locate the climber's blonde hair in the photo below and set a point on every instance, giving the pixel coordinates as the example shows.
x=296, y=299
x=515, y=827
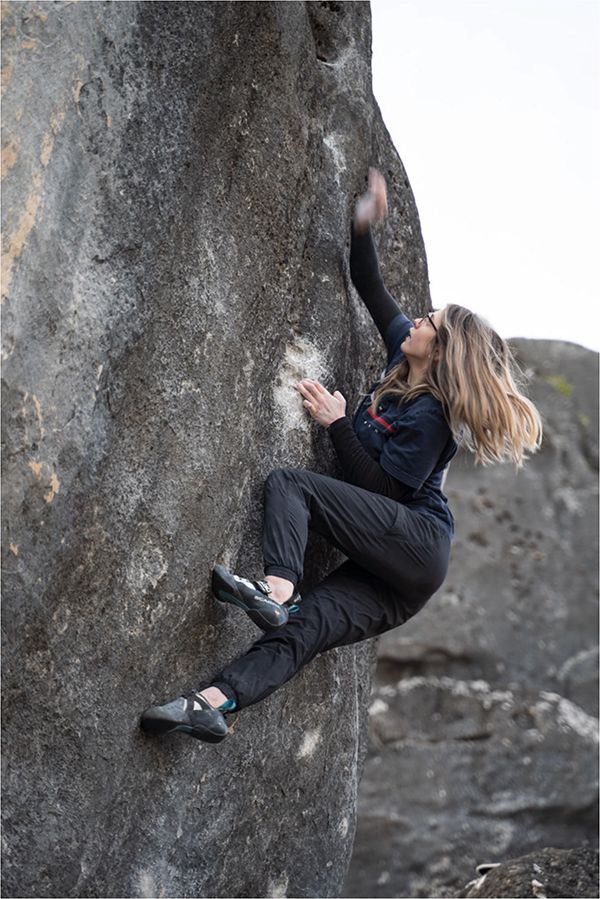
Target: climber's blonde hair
x=473, y=373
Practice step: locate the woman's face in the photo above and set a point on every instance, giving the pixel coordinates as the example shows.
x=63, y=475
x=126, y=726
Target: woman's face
x=418, y=343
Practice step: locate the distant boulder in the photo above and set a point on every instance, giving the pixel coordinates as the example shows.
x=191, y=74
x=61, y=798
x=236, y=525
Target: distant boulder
x=549, y=872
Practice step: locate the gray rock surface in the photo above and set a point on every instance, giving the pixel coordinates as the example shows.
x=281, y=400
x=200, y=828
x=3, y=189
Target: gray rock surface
x=484, y=729
x=550, y=872
x=178, y=184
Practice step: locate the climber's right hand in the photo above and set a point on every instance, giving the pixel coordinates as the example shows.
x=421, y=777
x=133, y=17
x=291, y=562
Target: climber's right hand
x=371, y=207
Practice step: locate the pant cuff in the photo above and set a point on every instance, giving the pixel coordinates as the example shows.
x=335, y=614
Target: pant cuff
x=279, y=571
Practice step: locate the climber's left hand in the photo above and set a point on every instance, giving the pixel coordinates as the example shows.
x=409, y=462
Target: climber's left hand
x=324, y=407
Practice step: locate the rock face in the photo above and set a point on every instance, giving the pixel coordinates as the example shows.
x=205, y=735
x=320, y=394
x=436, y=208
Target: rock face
x=550, y=872
x=484, y=730
x=179, y=179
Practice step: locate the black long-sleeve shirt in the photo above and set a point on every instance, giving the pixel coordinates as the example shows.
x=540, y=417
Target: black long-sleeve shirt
x=366, y=277
x=357, y=465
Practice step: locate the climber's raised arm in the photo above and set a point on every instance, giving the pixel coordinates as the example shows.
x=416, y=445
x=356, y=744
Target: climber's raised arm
x=371, y=207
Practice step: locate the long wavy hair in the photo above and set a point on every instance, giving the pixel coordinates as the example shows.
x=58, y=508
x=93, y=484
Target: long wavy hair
x=473, y=374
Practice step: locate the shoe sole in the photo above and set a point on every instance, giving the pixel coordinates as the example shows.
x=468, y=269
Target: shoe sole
x=159, y=727
x=225, y=595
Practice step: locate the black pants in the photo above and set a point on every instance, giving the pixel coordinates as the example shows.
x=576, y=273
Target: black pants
x=397, y=559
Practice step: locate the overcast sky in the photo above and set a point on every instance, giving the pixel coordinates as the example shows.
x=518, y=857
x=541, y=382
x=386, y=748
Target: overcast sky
x=493, y=106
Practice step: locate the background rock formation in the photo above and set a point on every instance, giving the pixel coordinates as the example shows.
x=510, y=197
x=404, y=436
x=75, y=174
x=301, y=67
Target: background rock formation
x=178, y=183
x=549, y=872
x=484, y=730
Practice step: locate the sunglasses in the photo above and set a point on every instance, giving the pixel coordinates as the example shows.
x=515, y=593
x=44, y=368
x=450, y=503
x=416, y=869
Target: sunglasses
x=431, y=322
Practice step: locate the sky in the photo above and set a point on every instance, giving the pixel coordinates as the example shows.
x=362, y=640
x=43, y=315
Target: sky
x=493, y=107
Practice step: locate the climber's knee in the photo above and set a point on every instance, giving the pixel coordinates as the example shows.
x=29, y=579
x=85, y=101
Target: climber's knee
x=275, y=475
x=279, y=476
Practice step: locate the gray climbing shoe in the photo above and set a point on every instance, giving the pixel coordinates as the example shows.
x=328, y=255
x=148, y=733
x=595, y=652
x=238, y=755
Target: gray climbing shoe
x=253, y=598
x=191, y=714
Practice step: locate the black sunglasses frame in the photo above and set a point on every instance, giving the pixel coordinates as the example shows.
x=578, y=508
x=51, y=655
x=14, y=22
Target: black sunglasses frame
x=431, y=322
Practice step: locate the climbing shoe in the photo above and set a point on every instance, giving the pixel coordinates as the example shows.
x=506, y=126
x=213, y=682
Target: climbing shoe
x=191, y=714
x=253, y=598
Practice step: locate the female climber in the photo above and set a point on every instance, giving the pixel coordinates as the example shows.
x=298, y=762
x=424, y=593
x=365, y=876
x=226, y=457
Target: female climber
x=449, y=378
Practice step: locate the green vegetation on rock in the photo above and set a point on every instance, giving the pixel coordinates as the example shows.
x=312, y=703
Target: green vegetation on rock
x=560, y=384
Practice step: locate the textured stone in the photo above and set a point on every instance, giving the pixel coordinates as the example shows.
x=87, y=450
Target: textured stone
x=484, y=724
x=562, y=873
x=176, y=203
x=460, y=773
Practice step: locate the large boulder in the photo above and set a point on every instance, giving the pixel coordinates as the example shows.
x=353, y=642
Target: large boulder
x=548, y=872
x=484, y=728
x=179, y=179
